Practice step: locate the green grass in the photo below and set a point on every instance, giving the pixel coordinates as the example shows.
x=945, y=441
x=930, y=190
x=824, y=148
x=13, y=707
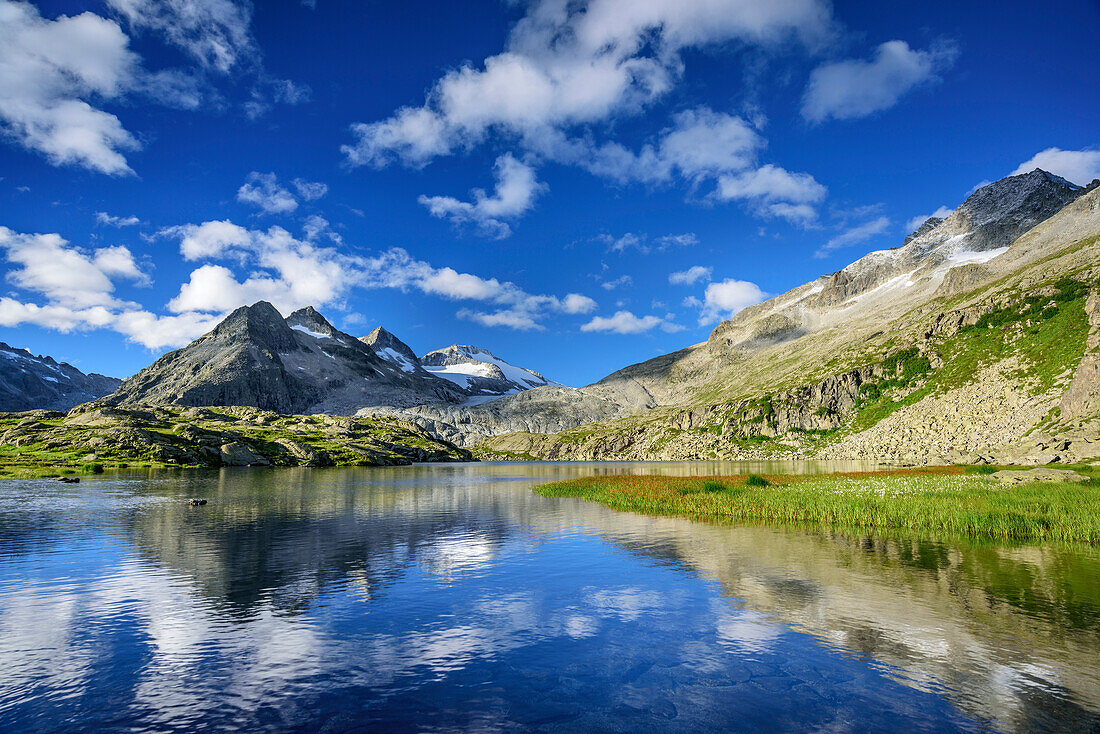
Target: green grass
x=945, y=503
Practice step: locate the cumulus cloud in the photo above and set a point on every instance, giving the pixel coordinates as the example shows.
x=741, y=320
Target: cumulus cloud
x=263, y=190
x=857, y=87
x=575, y=303
x=79, y=291
x=108, y=220
x=854, y=235
x=625, y=322
x=50, y=73
x=724, y=299
x=1078, y=166
x=209, y=239
x=941, y=213
x=56, y=75
x=690, y=276
x=574, y=63
x=291, y=272
x=775, y=192
x=570, y=64
x=515, y=193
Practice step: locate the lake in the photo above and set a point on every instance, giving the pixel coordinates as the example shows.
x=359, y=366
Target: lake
x=451, y=597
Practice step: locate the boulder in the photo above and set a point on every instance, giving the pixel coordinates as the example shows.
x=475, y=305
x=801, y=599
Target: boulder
x=238, y=454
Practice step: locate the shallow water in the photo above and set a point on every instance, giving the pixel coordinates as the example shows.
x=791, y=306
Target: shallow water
x=452, y=597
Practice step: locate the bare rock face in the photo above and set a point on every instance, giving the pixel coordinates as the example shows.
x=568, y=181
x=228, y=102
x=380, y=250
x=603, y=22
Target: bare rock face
x=28, y=382
x=1081, y=399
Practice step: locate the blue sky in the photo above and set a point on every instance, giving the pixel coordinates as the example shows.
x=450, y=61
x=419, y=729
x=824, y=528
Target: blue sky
x=574, y=185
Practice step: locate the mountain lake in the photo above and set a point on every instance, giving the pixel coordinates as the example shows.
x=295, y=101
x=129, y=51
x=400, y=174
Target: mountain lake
x=451, y=597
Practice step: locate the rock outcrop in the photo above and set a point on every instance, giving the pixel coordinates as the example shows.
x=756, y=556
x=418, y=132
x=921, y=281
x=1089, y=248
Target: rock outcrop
x=108, y=435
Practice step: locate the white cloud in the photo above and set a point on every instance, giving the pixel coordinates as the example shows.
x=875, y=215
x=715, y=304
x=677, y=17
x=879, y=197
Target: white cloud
x=775, y=192
x=621, y=281
x=215, y=32
x=724, y=299
x=310, y=190
x=687, y=239
x=624, y=243
x=857, y=88
x=263, y=190
x=510, y=318
x=209, y=239
x=575, y=303
x=859, y=233
x=641, y=243
x=49, y=69
x=119, y=261
x=575, y=63
x=47, y=265
x=942, y=213
x=79, y=291
x=515, y=193
x=1077, y=166
x=568, y=65
x=623, y=322
x=108, y=220
x=690, y=276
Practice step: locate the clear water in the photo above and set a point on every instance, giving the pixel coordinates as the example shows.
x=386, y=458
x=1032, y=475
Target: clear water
x=451, y=597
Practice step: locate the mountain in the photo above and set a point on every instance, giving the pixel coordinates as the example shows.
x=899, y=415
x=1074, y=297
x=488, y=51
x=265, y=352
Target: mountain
x=303, y=364
x=300, y=364
x=480, y=372
x=973, y=340
x=31, y=383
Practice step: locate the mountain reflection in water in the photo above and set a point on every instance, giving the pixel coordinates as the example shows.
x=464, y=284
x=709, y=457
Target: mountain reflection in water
x=451, y=596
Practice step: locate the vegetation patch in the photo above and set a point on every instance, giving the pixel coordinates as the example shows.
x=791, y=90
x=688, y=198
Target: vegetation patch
x=944, y=502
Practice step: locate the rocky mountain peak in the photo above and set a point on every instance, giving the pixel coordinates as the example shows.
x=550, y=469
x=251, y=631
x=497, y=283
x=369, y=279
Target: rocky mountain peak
x=1015, y=200
x=388, y=347
x=309, y=321
x=926, y=226
x=260, y=323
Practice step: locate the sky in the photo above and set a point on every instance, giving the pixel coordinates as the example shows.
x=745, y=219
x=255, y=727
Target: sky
x=575, y=185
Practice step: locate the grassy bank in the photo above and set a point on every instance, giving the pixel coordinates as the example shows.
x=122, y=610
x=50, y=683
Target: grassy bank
x=937, y=502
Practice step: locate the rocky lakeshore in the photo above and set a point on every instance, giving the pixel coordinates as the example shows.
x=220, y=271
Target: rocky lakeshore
x=95, y=436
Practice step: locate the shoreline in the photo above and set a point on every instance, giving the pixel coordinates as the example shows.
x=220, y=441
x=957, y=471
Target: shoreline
x=960, y=502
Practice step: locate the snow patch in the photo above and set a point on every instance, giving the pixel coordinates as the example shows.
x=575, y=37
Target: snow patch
x=963, y=257
x=314, y=334
x=391, y=355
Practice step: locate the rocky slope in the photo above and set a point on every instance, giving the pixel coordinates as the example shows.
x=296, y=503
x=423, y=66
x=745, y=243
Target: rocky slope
x=989, y=310
x=28, y=382
x=303, y=364
x=97, y=433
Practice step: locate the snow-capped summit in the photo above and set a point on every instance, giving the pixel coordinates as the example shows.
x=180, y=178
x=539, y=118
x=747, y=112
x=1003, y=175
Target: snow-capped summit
x=481, y=372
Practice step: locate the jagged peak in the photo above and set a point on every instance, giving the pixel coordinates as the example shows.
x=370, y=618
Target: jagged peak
x=310, y=318
x=379, y=339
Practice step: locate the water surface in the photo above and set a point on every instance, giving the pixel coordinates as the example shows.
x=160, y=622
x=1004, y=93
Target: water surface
x=443, y=597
